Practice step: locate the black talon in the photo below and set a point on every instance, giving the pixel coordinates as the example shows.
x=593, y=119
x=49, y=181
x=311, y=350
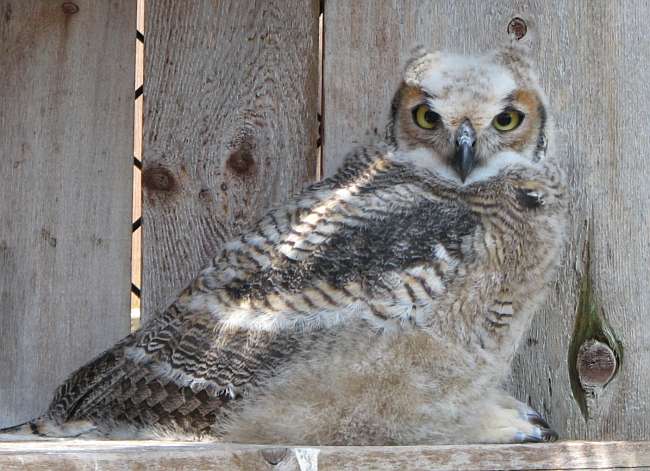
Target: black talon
x=536, y=419
x=546, y=433
x=549, y=435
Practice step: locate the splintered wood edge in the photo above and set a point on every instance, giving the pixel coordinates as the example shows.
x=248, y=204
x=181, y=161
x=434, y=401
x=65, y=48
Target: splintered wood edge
x=158, y=455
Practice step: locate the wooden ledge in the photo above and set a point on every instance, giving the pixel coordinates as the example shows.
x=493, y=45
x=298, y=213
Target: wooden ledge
x=182, y=456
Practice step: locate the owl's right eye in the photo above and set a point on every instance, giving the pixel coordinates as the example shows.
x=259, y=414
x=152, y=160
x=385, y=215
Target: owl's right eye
x=425, y=117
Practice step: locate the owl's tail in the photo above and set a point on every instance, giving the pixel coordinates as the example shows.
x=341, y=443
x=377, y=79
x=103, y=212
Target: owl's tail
x=27, y=431
x=43, y=428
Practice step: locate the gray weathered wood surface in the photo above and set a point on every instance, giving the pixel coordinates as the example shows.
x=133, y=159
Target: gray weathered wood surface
x=66, y=142
x=230, y=127
x=593, y=58
x=231, y=90
x=184, y=456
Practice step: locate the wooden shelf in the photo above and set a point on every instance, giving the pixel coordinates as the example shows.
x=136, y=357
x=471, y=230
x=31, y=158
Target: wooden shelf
x=181, y=456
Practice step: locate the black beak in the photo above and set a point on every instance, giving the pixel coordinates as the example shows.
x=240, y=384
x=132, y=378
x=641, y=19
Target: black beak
x=464, y=158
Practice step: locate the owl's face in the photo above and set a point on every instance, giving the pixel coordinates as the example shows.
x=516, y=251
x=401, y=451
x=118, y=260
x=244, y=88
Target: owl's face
x=468, y=118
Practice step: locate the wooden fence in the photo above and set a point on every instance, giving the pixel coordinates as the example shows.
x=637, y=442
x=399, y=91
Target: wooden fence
x=232, y=96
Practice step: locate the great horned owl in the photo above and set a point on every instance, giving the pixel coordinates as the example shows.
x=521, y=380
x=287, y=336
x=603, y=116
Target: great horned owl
x=382, y=306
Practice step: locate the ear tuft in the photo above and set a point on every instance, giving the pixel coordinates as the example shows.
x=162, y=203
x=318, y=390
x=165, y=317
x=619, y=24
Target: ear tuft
x=420, y=60
x=517, y=54
x=417, y=52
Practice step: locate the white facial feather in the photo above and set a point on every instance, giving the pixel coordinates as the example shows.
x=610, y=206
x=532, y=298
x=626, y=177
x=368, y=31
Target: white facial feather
x=459, y=88
x=427, y=158
x=496, y=164
x=494, y=79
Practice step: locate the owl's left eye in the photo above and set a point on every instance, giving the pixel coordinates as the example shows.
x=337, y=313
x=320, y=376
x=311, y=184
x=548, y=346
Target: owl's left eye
x=425, y=117
x=507, y=120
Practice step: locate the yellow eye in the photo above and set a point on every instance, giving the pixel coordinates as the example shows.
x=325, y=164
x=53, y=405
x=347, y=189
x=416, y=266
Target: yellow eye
x=425, y=117
x=508, y=120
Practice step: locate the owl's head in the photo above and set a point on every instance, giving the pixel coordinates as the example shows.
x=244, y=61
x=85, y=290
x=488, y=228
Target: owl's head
x=468, y=118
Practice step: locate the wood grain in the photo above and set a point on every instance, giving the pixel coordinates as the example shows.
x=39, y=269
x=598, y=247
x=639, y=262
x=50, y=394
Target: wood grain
x=593, y=58
x=154, y=456
x=66, y=142
x=230, y=127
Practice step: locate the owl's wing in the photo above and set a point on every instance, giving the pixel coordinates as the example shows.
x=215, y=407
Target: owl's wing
x=362, y=239
x=374, y=237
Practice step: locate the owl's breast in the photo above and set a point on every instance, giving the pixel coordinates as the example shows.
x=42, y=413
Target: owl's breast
x=516, y=253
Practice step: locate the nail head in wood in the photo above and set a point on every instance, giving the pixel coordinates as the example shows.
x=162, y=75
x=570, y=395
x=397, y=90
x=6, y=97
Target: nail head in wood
x=70, y=8
x=518, y=28
x=596, y=364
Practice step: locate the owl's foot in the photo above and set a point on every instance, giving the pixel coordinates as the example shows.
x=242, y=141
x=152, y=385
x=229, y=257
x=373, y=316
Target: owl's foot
x=512, y=421
x=542, y=431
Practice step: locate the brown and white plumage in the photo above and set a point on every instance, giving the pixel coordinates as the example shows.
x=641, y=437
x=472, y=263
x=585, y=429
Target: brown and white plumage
x=381, y=306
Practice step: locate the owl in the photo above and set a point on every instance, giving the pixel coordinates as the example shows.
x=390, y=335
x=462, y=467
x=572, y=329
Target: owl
x=382, y=306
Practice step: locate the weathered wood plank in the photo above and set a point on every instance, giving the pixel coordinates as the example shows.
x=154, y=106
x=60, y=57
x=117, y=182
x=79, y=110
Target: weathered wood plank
x=593, y=58
x=598, y=88
x=230, y=126
x=111, y=456
x=66, y=142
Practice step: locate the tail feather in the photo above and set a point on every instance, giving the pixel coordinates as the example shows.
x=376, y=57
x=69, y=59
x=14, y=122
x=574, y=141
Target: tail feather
x=26, y=431
x=45, y=429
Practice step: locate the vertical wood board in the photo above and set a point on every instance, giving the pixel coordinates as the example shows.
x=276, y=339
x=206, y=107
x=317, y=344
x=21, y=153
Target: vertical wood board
x=230, y=127
x=592, y=58
x=66, y=142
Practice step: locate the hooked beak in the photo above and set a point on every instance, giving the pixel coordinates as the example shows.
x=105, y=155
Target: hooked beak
x=464, y=158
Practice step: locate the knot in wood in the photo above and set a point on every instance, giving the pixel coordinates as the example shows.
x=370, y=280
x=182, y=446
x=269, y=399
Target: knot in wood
x=48, y=237
x=274, y=456
x=241, y=161
x=518, y=28
x=70, y=8
x=159, y=179
x=596, y=364
x=205, y=196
